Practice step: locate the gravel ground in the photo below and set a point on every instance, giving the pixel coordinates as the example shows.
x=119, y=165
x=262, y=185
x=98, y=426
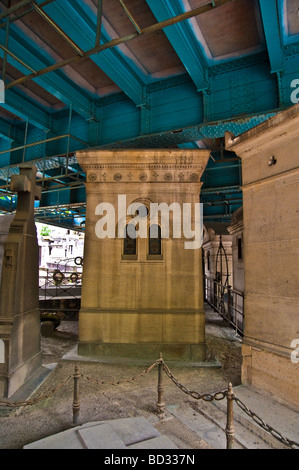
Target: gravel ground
x=20, y=426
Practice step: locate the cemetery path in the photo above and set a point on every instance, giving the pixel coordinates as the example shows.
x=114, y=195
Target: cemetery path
x=101, y=400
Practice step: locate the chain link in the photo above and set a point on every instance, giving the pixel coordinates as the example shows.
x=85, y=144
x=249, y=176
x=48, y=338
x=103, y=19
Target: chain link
x=6, y=404
x=276, y=434
x=223, y=394
x=119, y=382
x=197, y=396
x=209, y=397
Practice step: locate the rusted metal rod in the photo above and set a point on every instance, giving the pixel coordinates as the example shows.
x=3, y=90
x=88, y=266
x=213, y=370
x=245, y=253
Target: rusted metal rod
x=99, y=23
x=57, y=28
x=7, y=51
x=14, y=8
x=160, y=388
x=230, y=429
x=130, y=16
x=29, y=10
x=76, y=401
x=115, y=42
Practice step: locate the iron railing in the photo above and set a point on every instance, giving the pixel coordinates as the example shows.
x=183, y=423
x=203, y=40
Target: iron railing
x=228, y=302
x=60, y=286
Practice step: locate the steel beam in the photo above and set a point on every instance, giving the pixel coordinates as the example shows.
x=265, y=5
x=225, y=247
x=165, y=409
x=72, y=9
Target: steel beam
x=58, y=85
x=183, y=41
x=80, y=26
x=14, y=8
x=25, y=109
x=270, y=19
x=59, y=30
x=5, y=130
x=117, y=41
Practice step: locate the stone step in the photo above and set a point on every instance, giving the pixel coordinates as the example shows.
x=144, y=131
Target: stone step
x=278, y=416
x=208, y=421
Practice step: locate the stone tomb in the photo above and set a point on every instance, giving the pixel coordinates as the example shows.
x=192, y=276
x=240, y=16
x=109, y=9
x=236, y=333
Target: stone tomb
x=270, y=173
x=19, y=301
x=144, y=296
x=5, y=222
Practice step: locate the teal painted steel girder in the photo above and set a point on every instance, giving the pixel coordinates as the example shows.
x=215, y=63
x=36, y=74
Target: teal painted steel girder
x=24, y=108
x=55, y=83
x=270, y=19
x=192, y=133
x=79, y=23
x=183, y=41
x=5, y=130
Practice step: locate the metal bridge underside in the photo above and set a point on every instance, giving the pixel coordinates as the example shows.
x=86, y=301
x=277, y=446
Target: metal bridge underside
x=138, y=74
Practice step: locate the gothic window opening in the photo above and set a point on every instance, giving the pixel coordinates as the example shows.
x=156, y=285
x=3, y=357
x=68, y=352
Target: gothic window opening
x=130, y=242
x=155, y=240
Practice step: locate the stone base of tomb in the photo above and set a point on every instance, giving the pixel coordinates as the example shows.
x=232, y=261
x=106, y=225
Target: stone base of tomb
x=271, y=371
x=143, y=335
x=13, y=380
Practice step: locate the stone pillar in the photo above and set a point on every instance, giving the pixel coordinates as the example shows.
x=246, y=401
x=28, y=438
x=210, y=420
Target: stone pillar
x=5, y=222
x=19, y=300
x=270, y=171
x=141, y=304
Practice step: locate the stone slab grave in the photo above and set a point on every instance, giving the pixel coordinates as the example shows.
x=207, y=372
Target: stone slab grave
x=125, y=433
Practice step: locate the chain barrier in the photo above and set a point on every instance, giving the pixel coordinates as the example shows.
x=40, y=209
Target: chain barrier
x=119, y=382
x=6, y=404
x=197, y=396
x=208, y=397
x=265, y=426
x=224, y=394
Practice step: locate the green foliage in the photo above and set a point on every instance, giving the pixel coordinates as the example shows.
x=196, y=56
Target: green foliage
x=45, y=231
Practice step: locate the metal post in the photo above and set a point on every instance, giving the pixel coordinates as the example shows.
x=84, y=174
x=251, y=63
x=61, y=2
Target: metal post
x=160, y=404
x=68, y=140
x=229, y=304
x=76, y=402
x=215, y=295
x=230, y=429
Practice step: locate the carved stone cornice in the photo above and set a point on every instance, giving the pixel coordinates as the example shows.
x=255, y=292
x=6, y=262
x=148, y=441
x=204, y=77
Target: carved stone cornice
x=143, y=166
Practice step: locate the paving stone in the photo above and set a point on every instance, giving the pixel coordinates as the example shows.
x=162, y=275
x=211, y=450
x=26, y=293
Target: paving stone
x=65, y=440
x=100, y=437
x=123, y=433
x=160, y=442
x=133, y=430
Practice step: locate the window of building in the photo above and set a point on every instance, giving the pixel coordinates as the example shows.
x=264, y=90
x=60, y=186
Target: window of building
x=130, y=242
x=155, y=241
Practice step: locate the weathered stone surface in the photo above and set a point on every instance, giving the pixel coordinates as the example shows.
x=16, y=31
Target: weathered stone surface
x=271, y=233
x=126, y=433
x=100, y=437
x=19, y=302
x=136, y=305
